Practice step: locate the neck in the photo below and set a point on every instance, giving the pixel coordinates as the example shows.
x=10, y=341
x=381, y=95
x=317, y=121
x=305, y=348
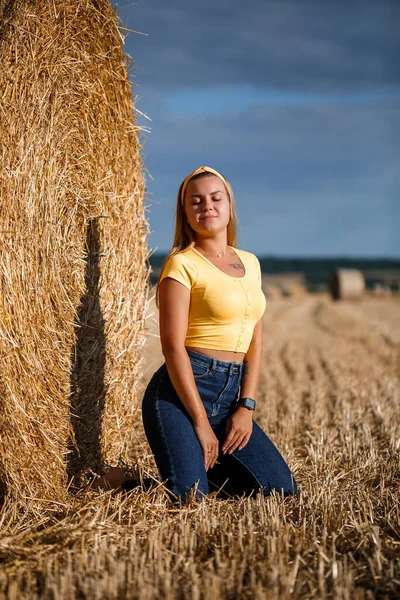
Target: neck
x=213, y=246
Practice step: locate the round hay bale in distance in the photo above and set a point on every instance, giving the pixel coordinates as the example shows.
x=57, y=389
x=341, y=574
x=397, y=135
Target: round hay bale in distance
x=347, y=284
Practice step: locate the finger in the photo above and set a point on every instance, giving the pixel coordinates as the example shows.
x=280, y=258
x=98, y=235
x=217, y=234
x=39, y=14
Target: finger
x=213, y=453
x=216, y=452
x=234, y=446
x=245, y=441
x=208, y=460
x=235, y=442
x=240, y=440
x=228, y=440
x=205, y=457
x=210, y=454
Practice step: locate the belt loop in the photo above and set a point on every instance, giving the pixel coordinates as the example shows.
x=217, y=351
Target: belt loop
x=213, y=364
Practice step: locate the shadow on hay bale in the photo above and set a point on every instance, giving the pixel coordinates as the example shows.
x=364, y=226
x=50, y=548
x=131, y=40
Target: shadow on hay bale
x=88, y=368
x=73, y=272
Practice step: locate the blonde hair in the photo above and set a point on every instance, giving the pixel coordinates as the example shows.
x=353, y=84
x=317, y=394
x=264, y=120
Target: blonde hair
x=185, y=236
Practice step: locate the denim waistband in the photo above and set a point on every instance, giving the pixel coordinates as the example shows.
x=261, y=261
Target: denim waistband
x=214, y=364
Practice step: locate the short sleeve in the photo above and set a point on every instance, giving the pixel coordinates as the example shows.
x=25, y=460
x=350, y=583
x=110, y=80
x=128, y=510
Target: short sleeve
x=181, y=268
x=258, y=269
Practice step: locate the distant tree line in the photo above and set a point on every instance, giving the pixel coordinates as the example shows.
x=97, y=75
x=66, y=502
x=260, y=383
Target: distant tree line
x=316, y=271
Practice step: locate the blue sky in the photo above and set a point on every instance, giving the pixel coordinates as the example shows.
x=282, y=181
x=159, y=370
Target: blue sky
x=296, y=102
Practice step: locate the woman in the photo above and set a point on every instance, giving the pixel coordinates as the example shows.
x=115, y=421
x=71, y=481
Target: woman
x=198, y=407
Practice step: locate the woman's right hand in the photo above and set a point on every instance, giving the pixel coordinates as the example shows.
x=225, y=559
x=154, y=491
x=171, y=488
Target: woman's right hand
x=208, y=441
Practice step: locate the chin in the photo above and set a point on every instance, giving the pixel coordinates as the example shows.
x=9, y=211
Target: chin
x=211, y=227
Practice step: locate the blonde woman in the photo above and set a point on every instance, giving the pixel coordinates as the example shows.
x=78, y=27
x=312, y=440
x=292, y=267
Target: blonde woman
x=198, y=406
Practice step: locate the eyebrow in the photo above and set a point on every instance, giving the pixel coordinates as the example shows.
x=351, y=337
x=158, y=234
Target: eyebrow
x=201, y=195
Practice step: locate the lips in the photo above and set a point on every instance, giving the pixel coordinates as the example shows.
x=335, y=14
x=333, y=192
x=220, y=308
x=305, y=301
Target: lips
x=209, y=217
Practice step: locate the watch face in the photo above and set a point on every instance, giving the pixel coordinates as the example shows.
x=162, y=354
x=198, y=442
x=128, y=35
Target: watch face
x=248, y=403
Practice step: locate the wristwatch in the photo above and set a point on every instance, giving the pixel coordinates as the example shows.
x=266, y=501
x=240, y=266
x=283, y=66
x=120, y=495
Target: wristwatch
x=247, y=403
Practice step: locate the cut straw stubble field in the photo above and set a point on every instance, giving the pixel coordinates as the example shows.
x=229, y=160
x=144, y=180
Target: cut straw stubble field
x=72, y=245
x=329, y=399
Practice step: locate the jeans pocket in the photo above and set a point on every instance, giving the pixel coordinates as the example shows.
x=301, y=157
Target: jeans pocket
x=200, y=371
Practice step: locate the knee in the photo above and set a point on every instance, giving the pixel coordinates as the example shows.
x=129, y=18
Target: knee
x=291, y=489
x=286, y=487
x=180, y=493
x=295, y=490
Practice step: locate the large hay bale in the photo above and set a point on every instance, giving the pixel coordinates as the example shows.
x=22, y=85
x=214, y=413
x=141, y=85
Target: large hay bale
x=73, y=244
x=347, y=284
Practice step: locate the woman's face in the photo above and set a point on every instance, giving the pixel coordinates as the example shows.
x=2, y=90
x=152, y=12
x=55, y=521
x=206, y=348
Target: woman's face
x=207, y=205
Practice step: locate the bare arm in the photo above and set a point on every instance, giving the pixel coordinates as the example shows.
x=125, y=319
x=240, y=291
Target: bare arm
x=252, y=364
x=174, y=299
x=240, y=425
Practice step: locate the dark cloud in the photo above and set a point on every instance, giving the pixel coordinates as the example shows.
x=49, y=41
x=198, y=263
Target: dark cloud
x=317, y=178
x=280, y=44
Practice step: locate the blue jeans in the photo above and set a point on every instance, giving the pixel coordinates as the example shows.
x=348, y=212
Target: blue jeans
x=176, y=448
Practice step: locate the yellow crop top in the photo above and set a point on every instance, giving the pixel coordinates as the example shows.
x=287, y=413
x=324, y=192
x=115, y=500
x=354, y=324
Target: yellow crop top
x=223, y=309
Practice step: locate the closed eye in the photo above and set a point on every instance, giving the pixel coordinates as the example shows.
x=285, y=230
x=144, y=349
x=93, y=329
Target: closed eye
x=216, y=199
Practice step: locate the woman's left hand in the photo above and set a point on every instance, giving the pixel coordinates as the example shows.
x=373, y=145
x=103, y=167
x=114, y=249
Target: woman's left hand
x=238, y=430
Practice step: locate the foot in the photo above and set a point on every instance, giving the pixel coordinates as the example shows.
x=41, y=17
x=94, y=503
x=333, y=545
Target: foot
x=111, y=480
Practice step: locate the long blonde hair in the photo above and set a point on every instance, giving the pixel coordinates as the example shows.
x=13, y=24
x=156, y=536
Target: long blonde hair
x=185, y=236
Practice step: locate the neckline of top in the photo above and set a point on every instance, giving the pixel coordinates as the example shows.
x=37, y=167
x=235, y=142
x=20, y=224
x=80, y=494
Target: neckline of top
x=215, y=267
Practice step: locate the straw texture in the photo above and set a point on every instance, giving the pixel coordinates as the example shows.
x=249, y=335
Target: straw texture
x=329, y=400
x=73, y=271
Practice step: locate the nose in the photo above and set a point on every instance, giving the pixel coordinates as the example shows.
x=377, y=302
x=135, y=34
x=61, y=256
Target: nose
x=208, y=203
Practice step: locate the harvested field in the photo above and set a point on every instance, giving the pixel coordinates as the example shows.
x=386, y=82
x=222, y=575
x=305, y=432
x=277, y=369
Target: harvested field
x=329, y=399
